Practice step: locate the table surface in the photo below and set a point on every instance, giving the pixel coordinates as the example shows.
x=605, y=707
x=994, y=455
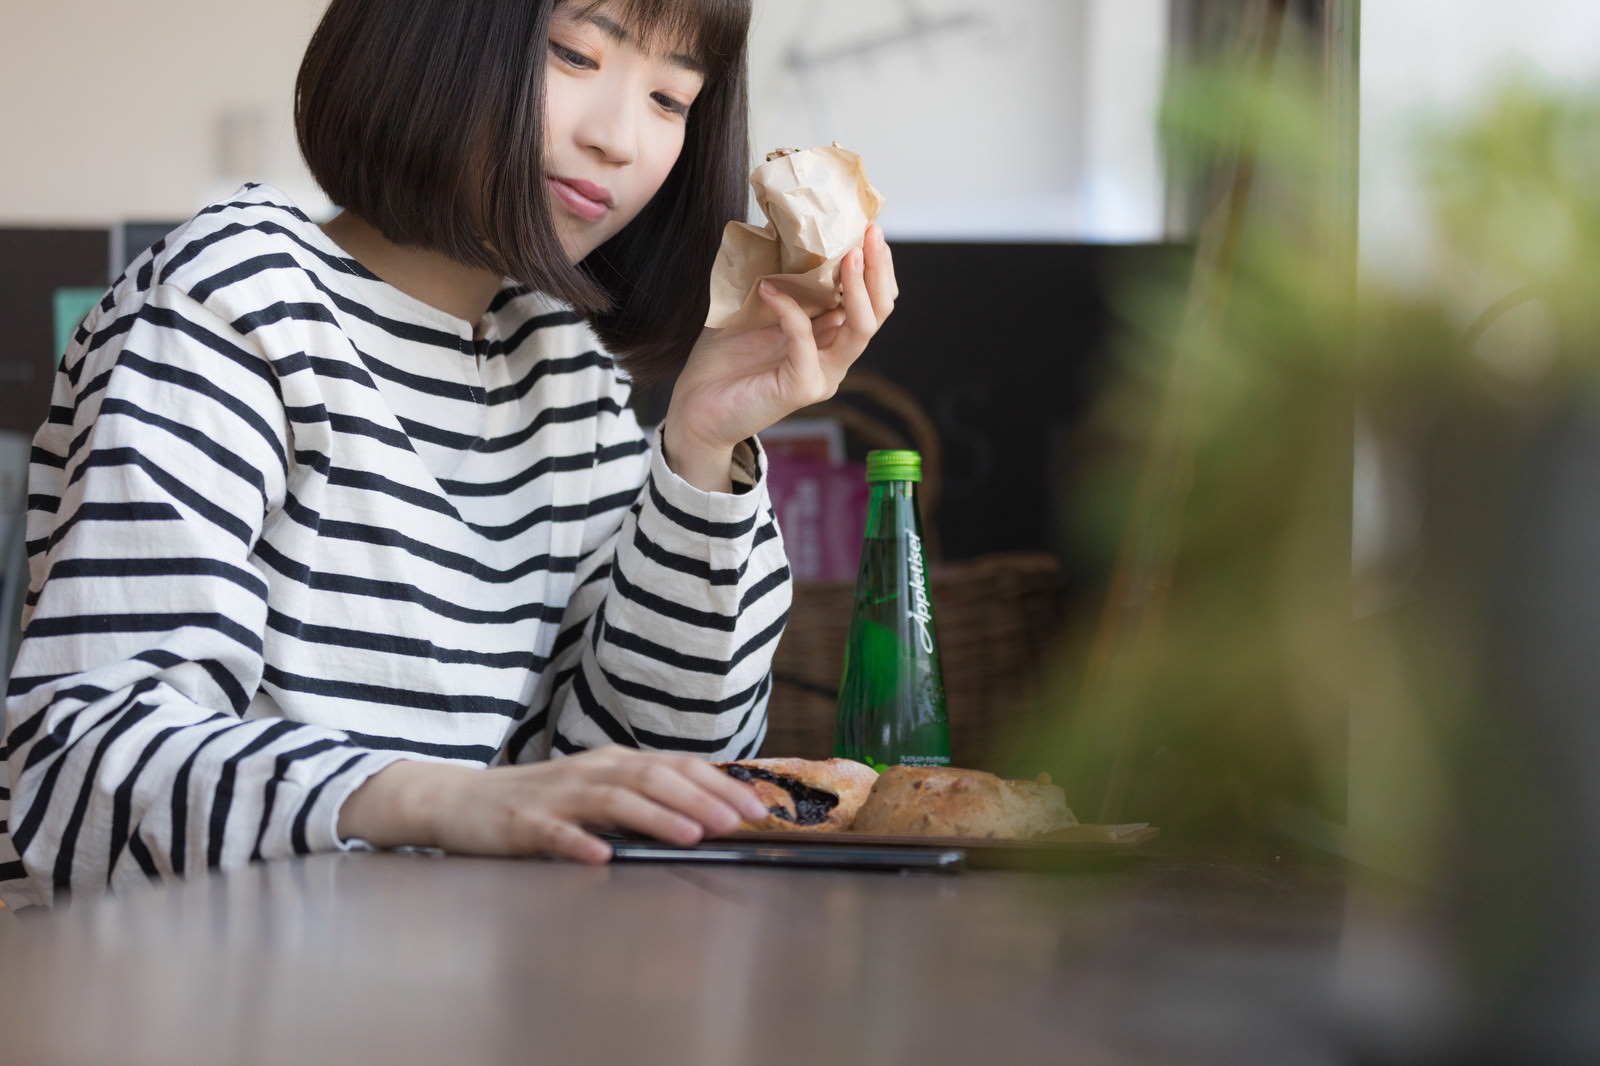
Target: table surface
x=410, y=958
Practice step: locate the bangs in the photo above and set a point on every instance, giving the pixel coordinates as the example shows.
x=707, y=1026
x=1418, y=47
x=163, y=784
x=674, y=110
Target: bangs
x=711, y=32
x=425, y=118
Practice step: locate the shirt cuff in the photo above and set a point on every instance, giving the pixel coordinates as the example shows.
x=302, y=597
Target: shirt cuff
x=748, y=472
x=748, y=463
x=322, y=830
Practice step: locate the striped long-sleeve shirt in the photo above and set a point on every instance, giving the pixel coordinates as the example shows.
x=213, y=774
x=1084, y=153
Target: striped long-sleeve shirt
x=287, y=525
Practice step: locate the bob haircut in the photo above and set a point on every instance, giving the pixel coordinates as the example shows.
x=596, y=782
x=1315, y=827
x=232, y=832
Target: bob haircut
x=425, y=116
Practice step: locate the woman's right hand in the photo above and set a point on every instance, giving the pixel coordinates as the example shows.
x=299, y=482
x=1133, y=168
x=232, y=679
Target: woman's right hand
x=547, y=807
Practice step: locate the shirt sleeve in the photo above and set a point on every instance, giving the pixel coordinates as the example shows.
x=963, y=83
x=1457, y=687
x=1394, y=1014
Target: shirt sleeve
x=668, y=638
x=129, y=749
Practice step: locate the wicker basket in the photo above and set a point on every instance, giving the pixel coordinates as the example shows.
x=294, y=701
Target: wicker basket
x=996, y=618
x=996, y=615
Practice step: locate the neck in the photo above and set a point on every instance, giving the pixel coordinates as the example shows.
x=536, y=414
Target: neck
x=435, y=279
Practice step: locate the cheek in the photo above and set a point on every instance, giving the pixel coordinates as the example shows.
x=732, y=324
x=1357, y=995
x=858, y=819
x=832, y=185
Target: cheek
x=560, y=105
x=664, y=156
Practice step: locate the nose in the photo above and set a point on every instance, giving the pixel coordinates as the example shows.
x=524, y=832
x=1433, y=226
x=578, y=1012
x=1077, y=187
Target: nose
x=609, y=125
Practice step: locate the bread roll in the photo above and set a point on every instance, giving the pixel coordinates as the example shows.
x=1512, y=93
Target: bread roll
x=949, y=802
x=804, y=794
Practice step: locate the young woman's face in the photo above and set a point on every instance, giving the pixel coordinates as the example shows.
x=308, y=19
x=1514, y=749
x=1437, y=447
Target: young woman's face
x=615, y=117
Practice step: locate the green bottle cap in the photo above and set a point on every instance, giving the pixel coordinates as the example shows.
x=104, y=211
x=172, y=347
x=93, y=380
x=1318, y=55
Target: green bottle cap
x=894, y=466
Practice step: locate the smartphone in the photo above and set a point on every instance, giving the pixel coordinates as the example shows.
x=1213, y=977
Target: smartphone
x=936, y=860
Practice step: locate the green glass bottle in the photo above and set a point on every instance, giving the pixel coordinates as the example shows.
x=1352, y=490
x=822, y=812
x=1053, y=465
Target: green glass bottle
x=891, y=696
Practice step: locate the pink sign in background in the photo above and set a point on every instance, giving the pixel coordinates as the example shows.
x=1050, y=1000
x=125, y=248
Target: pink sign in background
x=822, y=509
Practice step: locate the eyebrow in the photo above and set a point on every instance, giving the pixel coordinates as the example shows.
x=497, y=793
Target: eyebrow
x=619, y=33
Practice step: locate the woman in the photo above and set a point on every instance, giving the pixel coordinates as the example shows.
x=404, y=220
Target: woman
x=337, y=535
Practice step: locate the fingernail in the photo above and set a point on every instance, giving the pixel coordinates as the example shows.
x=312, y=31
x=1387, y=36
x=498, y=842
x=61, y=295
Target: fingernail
x=768, y=289
x=687, y=832
x=877, y=236
x=753, y=810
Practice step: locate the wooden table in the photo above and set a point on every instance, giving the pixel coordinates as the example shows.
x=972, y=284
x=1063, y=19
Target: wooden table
x=399, y=959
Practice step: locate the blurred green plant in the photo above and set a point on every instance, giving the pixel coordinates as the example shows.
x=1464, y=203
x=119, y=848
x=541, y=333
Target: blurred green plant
x=1314, y=478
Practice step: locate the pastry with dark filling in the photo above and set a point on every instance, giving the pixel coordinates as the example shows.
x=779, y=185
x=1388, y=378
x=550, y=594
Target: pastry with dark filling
x=804, y=794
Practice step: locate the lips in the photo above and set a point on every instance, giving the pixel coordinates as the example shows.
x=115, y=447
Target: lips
x=585, y=199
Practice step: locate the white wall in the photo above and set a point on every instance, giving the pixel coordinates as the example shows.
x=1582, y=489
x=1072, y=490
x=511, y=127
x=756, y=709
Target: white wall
x=1031, y=119
x=1122, y=187
x=960, y=116
x=116, y=109
x=1023, y=119
x=1428, y=61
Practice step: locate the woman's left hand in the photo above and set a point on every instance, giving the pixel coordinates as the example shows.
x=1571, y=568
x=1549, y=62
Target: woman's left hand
x=733, y=387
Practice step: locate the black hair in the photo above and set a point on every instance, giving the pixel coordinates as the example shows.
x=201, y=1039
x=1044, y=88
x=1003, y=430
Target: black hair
x=425, y=119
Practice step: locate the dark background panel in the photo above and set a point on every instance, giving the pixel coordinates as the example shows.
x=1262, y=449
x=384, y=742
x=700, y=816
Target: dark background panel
x=1006, y=347
x=33, y=264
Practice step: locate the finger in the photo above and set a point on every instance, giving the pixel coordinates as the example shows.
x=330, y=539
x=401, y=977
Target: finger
x=825, y=328
x=881, y=282
x=664, y=782
x=567, y=841
x=796, y=325
x=792, y=318
x=861, y=321
x=768, y=345
x=735, y=793
x=687, y=784
x=625, y=808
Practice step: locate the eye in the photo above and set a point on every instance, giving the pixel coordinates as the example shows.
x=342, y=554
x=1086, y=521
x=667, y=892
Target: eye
x=667, y=103
x=571, y=58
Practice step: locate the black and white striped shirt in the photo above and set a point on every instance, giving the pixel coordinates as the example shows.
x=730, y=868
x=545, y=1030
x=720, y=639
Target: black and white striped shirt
x=287, y=525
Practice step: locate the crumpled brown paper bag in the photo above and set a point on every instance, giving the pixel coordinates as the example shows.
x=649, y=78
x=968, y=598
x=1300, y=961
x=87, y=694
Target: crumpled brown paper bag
x=819, y=204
